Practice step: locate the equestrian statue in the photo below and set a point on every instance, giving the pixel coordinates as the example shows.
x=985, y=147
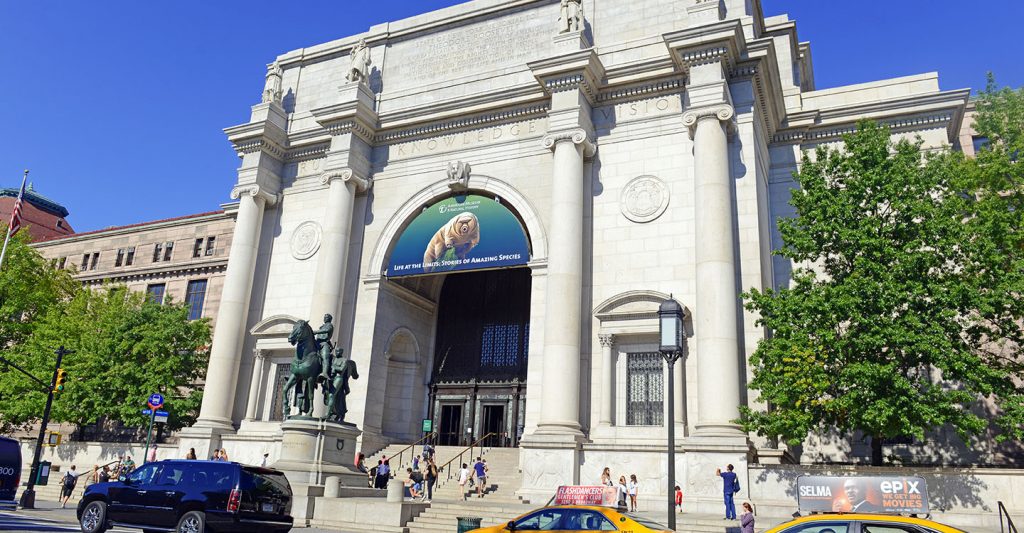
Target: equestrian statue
x=318, y=361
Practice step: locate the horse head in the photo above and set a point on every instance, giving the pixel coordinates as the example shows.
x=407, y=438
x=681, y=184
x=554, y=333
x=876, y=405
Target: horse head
x=300, y=332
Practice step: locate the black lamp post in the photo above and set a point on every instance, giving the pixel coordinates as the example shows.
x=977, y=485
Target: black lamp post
x=670, y=326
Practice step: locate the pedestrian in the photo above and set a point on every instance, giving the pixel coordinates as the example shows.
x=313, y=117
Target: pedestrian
x=371, y=476
x=223, y=455
x=263, y=463
x=416, y=461
x=191, y=455
x=747, y=519
x=633, y=487
x=463, y=478
x=216, y=455
x=383, y=474
x=480, y=469
x=606, y=477
x=117, y=467
x=151, y=457
x=105, y=474
x=68, y=485
x=94, y=476
x=414, y=482
x=432, y=472
x=679, y=499
x=361, y=462
x=730, y=486
x=623, y=490
x=128, y=466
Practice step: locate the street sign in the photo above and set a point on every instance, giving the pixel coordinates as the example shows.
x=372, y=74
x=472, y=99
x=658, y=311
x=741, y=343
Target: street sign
x=161, y=417
x=158, y=413
x=156, y=400
x=428, y=425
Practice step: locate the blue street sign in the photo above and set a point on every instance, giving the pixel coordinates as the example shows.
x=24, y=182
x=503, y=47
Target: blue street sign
x=156, y=400
x=147, y=412
x=150, y=411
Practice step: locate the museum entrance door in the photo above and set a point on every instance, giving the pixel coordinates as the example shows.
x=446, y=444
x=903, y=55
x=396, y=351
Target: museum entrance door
x=480, y=355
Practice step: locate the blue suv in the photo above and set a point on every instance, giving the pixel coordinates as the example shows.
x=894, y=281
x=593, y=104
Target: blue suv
x=190, y=497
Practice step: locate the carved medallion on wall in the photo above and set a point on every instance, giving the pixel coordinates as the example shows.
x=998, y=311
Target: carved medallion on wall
x=644, y=199
x=306, y=240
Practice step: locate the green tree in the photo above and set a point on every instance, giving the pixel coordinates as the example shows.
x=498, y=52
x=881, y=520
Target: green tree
x=125, y=348
x=902, y=312
x=28, y=288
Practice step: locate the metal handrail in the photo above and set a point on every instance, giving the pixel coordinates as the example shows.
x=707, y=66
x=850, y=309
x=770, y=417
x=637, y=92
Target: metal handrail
x=458, y=458
x=1009, y=521
x=397, y=463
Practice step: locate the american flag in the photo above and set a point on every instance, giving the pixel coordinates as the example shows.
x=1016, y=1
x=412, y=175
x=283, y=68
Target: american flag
x=15, y=224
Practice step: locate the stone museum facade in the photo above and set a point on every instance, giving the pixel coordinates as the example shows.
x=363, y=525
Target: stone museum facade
x=493, y=199
x=182, y=259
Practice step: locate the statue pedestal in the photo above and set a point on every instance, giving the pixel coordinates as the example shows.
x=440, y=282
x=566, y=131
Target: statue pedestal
x=313, y=449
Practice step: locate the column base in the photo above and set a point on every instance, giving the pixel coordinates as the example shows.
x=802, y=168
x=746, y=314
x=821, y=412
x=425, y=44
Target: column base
x=204, y=439
x=548, y=461
x=724, y=430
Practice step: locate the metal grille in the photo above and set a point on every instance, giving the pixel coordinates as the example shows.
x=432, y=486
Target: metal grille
x=280, y=378
x=645, y=389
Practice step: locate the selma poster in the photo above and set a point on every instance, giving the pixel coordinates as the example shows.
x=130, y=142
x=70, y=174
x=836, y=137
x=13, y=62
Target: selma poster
x=863, y=494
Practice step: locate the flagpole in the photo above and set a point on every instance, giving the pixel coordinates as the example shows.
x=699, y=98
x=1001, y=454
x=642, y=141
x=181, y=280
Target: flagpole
x=21, y=192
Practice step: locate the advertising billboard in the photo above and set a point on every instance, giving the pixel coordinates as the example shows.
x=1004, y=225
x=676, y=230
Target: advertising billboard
x=867, y=494
x=586, y=495
x=469, y=232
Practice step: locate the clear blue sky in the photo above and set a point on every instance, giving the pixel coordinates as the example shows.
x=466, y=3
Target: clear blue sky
x=117, y=106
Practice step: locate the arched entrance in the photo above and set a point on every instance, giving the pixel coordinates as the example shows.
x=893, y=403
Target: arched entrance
x=478, y=383
x=404, y=390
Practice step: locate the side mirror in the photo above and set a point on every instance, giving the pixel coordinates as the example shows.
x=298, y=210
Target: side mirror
x=511, y=525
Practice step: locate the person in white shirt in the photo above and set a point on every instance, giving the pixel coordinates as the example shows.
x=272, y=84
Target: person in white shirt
x=463, y=478
x=633, y=487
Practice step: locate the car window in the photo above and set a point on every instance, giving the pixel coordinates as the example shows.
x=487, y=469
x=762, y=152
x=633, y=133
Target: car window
x=214, y=476
x=171, y=475
x=820, y=527
x=543, y=520
x=888, y=528
x=264, y=483
x=593, y=521
x=144, y=475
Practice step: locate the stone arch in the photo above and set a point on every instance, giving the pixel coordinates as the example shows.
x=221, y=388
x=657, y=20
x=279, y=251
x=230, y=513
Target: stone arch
x=528, y=214
x=405, y=386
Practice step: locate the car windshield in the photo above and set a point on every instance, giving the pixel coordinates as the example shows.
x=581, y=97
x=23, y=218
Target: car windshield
x=265, y=483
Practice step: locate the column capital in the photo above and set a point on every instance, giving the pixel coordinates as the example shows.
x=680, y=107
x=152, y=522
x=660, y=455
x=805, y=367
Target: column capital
x=346, y=175
x=257, y=192
x=722, y=112
x=575, y=136
x=606, y=339
x=259, y=353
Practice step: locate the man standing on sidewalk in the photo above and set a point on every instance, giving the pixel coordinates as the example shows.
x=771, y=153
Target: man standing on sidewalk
x=730, y=486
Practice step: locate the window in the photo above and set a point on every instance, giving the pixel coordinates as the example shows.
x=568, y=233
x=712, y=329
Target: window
x=155, y=293
x=171, y=475
x=168, y=248
x=544, y=520
x=157, y=250
x=144, y=475
x=130, y=256
x=210, y=245
x=63, y=261
x=820, y=527
x=95, y=259
x=197, y=248
x=119, y=258
x=591, y=521
x=163, y=251
x=645, y=389
x=979, y=143
x=60, y=223
x=194, y=297
x=281, y=375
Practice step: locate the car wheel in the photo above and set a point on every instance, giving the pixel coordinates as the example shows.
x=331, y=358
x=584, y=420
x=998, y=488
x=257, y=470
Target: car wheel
x=192, y=522
x=94, y=517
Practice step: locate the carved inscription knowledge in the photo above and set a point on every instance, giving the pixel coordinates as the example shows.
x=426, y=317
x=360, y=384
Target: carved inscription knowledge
x=507, y=41
x=458, y=141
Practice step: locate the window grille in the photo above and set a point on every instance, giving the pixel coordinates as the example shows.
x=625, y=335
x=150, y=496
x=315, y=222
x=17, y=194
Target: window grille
x=280, y=378
x=645, y=389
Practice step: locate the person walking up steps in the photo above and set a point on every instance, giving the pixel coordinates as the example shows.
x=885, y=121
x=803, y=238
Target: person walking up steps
x=463, y=478
x=432, y=472
x=68, y=486
x=481, y=477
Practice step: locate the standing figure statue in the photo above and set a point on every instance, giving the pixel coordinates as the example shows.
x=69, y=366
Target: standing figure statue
x=324, y=346
x=570, y=17
x=359, y=69
x=272, y=88
x=342, y=368
x=305, y=370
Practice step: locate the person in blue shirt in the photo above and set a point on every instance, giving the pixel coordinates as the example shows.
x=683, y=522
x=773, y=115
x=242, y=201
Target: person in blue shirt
x=480, y=469
x=730, y=486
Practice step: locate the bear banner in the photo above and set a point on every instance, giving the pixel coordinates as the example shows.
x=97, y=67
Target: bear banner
x=866, y=494
x=469, y=232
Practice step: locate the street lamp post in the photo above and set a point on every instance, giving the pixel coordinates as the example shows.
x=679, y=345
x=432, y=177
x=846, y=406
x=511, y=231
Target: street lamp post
x=670, y=326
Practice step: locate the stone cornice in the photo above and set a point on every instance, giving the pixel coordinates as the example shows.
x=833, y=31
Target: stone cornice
x=440, y=128
x=307, y=152
x=253, y=137
x=346, y=175
x=901, y=124
x=255, y=191
x=575, y=136
x=649, y=88
x=581, y=70
x=158, y=271
x=720, y=42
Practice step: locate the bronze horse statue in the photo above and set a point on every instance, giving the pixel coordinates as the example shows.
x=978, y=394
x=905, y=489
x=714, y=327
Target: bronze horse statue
x=305, y=370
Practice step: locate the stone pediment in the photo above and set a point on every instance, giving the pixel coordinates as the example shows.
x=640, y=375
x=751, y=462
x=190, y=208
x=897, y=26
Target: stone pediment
x=631, y=305
x=274, y=327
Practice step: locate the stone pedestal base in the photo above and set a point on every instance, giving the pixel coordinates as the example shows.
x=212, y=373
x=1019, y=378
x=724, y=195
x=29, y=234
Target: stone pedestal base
x=548, y=461
x=702, y=489
x=311, y=450
x=203, y=439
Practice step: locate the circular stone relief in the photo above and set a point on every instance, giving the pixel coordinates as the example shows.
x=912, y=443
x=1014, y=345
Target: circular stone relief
x=306, y=240
x=644, y=199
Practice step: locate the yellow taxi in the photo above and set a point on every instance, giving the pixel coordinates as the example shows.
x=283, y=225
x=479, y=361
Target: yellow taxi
x=861, y=523
x=576, y=518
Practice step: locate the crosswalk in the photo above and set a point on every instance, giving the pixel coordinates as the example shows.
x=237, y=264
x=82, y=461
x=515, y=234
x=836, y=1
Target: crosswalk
x=16, y=521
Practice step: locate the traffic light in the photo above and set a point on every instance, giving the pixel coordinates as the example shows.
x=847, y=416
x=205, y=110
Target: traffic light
x=62, y=376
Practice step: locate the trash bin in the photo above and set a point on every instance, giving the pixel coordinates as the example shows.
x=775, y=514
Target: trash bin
x=467, y=523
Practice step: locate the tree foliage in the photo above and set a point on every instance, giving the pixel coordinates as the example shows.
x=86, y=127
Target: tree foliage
x=903, y=310
x=124, y=349
x=28, y=288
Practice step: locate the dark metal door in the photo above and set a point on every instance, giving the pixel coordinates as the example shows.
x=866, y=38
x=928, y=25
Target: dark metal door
x=451, y=425
x=494, y=422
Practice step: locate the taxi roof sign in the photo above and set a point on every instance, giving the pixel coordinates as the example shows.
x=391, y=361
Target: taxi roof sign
x=863, y=494
x=597, y=495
